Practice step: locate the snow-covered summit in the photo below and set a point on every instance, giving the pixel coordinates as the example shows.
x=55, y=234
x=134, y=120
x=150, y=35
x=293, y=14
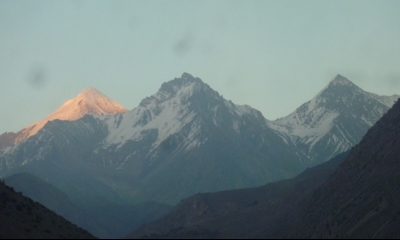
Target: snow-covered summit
x=177, y=103
x=331, y=117
x=183, y=88
x=89, y=101
x=341, y=81
x=346, y=94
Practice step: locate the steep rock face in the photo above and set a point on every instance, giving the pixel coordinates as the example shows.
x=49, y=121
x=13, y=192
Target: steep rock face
x=334, y=120
x=90, y=101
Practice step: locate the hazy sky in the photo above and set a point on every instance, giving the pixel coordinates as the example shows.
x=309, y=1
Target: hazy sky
x=271, y=55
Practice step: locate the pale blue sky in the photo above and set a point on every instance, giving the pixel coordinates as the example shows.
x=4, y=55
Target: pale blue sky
x=271, y=55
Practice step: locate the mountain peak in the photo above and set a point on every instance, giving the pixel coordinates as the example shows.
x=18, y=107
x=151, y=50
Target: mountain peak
x=329, y=116
x=103, y=104
x=186, y=78
x=89, y=101
x=186, y=75
x=338, y=76
x=89, y=92
x=341, y=81
x=186, y=83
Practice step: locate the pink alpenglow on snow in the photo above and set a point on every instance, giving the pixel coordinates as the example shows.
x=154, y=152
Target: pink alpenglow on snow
x=90, y=101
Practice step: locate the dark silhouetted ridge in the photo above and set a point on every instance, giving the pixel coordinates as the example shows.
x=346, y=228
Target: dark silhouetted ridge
x=21, y=217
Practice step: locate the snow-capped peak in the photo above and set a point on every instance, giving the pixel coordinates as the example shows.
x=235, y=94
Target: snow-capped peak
x=167, y=111
x=342, y=90
x=186, y=75
x=180, y=88
x=89, y=101
x=90, y=92
x=179, y=102
x=340, y=80
x=317, y=119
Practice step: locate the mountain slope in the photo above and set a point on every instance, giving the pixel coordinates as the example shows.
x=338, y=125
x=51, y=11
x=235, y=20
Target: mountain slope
x=7, y=139
x=50, y=197
x=108, y=221
x=40, y=191
x=361, y=198
x=182, y=140
x=204, y=143
x=334, y=120
x=238, y=213
x=186, y=139
x=62, y=154
x=90, y=101
x=187, y=135
x=357, y=198
x=20, y=217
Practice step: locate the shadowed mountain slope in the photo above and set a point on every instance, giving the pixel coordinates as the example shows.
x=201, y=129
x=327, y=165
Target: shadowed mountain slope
x=361, y=199
x=21, y=217
x=237, y=213
x=108, y=220
x=357, y=200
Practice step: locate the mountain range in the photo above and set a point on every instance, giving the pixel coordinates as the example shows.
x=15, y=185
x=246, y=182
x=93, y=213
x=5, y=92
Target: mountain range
x=183, y=140
x=354, y=195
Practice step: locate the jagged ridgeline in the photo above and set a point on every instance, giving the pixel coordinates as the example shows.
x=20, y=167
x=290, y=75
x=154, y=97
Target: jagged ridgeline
x=184, y=139
x=334, y=120
x=354, y=195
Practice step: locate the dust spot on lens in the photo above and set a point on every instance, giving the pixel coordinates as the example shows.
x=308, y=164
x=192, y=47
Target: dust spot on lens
x=37, y=77
x=183, y=45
